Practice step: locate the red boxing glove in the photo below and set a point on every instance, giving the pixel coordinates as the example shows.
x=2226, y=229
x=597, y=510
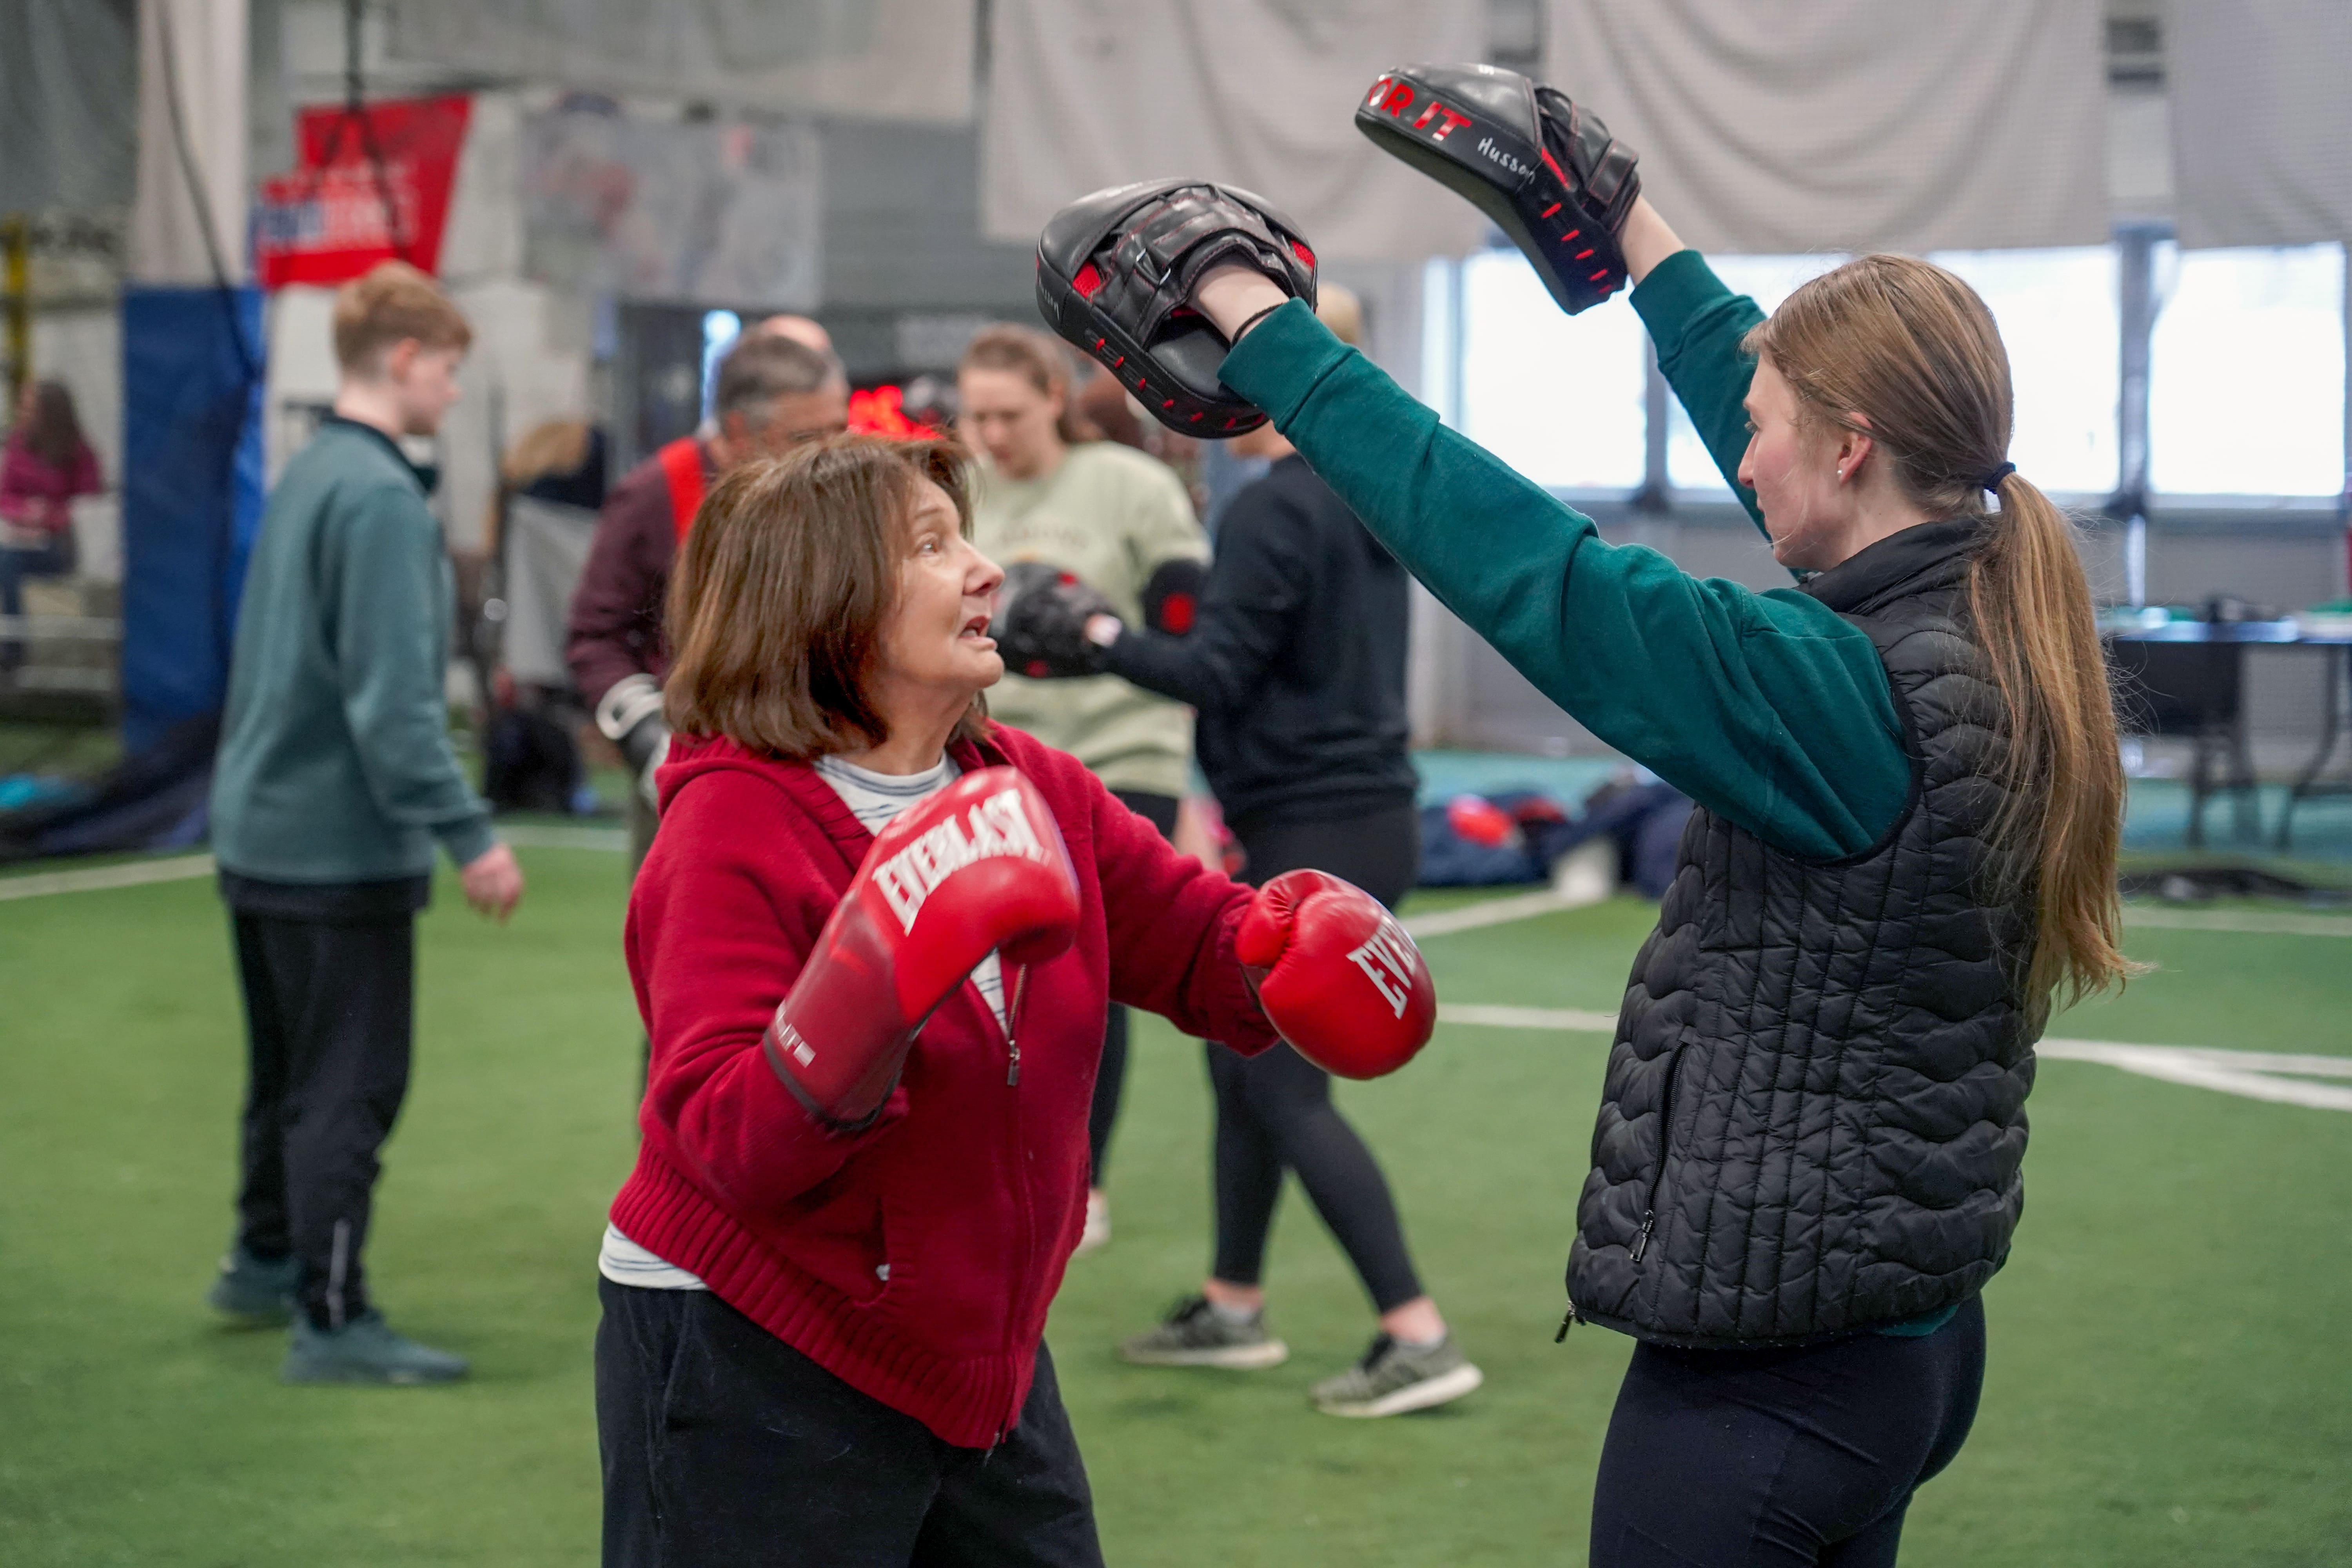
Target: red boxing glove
x=979, y=865
x=1344, y=984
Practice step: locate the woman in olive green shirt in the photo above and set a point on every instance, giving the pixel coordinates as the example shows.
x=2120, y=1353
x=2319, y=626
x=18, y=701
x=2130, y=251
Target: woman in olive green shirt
x=1117, y=518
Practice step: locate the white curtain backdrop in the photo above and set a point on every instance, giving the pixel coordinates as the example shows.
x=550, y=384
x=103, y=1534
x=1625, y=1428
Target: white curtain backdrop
x=855, y=59
x=710, y=211
x=64, y=74
x=1778, y=126
x=197, y=47
x=2262, y=121
x=1258, y=93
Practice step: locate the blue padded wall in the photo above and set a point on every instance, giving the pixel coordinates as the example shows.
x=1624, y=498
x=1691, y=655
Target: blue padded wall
x=191, y=494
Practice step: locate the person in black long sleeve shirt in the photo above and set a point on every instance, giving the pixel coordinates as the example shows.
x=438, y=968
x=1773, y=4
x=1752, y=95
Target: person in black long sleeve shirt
x=1296, y=662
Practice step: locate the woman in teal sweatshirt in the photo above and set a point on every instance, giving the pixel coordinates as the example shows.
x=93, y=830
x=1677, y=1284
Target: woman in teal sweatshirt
x=1806, y=1164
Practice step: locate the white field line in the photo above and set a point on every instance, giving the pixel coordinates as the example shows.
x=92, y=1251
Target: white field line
x=1442, y=923
x=2244, y=922
x=526, y=836
x=2248, y=923
x=188, y=867
x=1492, y=913
x=1482, y=1014
x=2248, y=1073
x=130, y=874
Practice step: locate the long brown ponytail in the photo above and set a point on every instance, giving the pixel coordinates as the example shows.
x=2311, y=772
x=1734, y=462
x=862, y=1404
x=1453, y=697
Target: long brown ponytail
x=1912, y=351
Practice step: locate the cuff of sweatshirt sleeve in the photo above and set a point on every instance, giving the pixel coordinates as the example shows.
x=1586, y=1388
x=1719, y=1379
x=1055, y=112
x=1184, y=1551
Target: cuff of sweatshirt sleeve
x=1277, y=362
x=1247, y=1028
x=1675, y=289
x=467, y=840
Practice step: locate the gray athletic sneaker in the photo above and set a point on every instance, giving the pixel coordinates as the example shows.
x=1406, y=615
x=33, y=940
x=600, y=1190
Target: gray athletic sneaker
x=257, y=1294
x=1195, y=1334
x=1393, y=1378
x=365, y=1349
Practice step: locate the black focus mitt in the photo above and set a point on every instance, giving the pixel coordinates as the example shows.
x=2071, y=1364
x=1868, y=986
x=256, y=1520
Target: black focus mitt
x=1546, y=172
x=1115, y=276
x=1040, y=624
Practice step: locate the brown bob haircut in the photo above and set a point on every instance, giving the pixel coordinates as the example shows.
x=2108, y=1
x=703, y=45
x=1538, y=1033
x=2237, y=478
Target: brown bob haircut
x=393, y=300
x=783, y=587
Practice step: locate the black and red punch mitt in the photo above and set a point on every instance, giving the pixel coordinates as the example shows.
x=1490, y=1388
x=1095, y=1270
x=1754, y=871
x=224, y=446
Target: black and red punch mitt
x=1115, y=276
x=1546, y=172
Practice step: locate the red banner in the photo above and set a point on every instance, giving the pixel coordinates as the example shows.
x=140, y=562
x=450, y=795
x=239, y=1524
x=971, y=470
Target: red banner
x=371, y=185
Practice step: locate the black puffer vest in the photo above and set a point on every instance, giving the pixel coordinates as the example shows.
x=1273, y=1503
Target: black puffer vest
x=1814, y=1113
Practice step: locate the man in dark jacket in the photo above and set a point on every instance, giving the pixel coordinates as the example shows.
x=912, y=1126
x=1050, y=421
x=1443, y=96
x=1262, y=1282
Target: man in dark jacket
x=334, y=783
x=781, y=385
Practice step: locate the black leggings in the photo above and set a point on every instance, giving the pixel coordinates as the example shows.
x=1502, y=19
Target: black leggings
x=1111, y=1077
x=1784, y=1458
x=1275, y=1109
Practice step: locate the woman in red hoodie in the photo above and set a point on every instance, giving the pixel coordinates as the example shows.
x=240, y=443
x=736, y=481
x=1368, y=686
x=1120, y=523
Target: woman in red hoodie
x=825, y=1282
x=45, y=466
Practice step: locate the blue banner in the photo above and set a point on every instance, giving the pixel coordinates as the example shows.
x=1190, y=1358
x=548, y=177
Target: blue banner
x=192, y=495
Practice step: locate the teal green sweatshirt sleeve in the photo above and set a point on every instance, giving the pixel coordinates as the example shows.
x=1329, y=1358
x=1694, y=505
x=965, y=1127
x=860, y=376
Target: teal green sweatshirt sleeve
x=388, y=585
x=1767, y=708
x=1697, y=324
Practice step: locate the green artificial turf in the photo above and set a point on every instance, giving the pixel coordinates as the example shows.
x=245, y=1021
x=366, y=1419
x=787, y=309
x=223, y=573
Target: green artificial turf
x=2167, y=1381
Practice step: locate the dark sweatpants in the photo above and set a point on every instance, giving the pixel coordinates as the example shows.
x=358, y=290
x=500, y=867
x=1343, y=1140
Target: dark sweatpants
x=1110, y=1075
x=1791, y=1459
x=1275, y=1109
x=328, y=1028
x=723, y=1447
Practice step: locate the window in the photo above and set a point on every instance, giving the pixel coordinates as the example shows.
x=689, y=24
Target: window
x=1558, y=398
x=2058, y=311
x=2246, y=379
x=1768, y=280
x=2246, y=394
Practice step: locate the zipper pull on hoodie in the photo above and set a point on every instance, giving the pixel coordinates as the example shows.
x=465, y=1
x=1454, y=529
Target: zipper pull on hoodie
x=1012, y=1026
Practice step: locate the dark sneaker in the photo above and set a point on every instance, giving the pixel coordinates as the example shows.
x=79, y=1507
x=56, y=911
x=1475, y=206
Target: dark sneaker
x=257, y=1293
x=1393, y=1378
x=365, y=1349
x=1195, y=1334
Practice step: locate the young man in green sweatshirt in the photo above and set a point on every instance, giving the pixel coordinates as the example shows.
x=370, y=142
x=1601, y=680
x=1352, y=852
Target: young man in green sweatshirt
x=334, y=783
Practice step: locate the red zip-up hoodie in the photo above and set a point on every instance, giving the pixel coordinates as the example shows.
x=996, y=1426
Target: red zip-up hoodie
x=913, y=1260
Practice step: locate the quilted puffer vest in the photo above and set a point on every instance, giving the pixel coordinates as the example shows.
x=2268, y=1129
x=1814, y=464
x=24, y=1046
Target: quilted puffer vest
x=1814, y=1112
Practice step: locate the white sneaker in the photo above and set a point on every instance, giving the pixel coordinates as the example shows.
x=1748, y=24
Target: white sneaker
x=1097, y=1230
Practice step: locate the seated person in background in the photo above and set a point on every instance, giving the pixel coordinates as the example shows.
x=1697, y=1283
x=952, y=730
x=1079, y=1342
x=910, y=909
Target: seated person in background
x=47, y=465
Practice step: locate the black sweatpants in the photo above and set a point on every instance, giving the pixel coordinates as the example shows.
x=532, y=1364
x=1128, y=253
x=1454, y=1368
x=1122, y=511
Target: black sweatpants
x=1110, y=1076
x=328, y=1031
x=1792, y=1458
x=723, y=1446
x=1273, y=1109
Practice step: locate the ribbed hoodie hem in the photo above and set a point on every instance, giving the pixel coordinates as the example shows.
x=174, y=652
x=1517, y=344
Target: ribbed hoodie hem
x=971, y=1403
